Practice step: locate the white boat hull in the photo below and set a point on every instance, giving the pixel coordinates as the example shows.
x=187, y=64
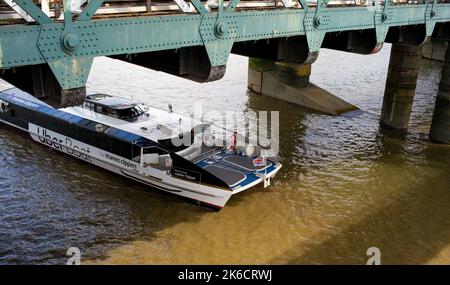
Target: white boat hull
x=118, y=147
x=208, y=195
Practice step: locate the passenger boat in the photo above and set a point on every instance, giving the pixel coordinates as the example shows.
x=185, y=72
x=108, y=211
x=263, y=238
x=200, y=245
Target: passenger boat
x=137, y=142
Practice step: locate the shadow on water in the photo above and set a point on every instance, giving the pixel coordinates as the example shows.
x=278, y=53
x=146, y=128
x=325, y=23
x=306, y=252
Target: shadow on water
x=410, y=227
x=331, y=165
x=77, y=206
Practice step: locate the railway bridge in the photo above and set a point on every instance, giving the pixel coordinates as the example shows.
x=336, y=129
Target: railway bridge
x=47, y=46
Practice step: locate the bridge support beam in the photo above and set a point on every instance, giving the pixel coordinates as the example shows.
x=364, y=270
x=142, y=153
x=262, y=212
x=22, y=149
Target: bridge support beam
x=290, y=82
x=404, y=66
x=440, y=126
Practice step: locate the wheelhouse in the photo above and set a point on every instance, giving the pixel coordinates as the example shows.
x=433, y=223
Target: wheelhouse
x=115, y=107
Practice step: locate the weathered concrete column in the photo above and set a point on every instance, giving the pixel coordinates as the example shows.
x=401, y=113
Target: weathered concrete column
x=256, y=69
x=293, y=74
x=434, y=49
x=440, y=126
x=404, y=66
x=290, y=82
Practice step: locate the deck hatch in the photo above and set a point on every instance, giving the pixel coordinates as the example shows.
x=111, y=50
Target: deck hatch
x=243, y=162
x=229, y=176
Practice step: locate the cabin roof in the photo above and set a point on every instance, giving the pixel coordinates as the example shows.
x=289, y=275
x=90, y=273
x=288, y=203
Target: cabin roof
x=41, y=107
x=112, y=102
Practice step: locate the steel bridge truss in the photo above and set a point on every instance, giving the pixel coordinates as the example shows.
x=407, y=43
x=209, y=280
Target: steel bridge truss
x=196, y=42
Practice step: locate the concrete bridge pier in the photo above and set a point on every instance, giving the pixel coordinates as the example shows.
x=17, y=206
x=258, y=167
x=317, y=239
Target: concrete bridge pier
x=404, y=66
x=290, y=82
x=440, y=126
x=435, y=49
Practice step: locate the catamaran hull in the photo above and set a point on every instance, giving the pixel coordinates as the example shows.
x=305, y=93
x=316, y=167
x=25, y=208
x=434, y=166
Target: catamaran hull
x=210, y=181
x=209, y=196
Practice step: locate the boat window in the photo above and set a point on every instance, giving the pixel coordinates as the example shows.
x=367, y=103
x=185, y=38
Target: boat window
x=157, y=158
x=99, y=109
x=130, y=113
x=139, y=109
x=153, y=149
x=136, y=153
x=117, y=147
x=96, y=127
x=167, y=143
x=112, y=113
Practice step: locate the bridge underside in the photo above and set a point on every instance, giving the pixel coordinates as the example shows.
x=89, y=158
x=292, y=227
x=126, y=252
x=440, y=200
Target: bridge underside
x=47, y=49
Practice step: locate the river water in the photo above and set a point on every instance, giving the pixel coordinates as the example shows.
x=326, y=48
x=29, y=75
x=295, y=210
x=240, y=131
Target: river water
x=345, y=186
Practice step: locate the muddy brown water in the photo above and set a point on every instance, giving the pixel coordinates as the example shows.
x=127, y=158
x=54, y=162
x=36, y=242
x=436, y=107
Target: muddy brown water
x=345, y=185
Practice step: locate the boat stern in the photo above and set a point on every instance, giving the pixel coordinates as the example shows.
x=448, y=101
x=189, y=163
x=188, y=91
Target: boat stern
x=240, y=172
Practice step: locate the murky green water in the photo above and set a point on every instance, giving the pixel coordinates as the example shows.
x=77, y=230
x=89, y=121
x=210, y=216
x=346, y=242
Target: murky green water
x=345, y=185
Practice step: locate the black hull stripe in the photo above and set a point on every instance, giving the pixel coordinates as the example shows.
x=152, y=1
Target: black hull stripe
x=184, y=189
x=24, y=133
x=14, y=128
x=148, y=183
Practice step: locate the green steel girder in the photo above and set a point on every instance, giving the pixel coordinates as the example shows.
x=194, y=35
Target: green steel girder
x=70, y=53
x=218, y=33
x=90, y=10
x=71, y=69
x=199, y=6
x=232, y=5
x=430, y=17
x=34, y=11
x=315, y=23
x=384, y=16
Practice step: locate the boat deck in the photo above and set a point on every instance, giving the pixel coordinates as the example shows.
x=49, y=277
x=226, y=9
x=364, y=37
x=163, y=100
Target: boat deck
x=236, y=170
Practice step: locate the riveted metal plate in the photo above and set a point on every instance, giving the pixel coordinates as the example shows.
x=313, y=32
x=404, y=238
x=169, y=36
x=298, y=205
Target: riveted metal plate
x=17, y=46
x=218, y=47
x=431, y=15
x=70, y=69
x=315, y=24
x=382, y=19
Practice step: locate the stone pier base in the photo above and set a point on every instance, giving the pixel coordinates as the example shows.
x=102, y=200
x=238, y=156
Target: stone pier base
x=404, y=66
x=440, y=126
x=434, y=49
x=290, y=83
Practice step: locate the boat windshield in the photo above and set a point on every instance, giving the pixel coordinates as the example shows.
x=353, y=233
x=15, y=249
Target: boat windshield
x=129, y=113
x=113, y=106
